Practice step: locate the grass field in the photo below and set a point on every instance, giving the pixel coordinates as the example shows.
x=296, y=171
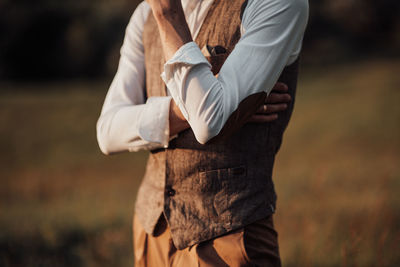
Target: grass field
x=62, y=203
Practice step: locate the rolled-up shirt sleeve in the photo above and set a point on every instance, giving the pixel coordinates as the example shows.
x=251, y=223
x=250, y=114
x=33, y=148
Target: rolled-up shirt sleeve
x=128, y=121
x=271, y=39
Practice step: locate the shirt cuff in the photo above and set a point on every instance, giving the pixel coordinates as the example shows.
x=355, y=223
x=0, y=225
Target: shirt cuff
x=154, y=121
x=186, y=57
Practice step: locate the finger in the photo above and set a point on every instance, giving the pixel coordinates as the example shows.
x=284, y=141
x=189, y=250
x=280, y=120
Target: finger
x=262, y=109
x=278, y=98
x=263, y=118
x=272, y=108
x=280, y=87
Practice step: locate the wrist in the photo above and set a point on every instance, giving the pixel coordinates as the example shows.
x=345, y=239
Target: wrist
x=177, y=121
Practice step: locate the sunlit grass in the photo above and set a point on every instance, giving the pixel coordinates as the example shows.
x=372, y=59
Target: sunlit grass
x=337, y=175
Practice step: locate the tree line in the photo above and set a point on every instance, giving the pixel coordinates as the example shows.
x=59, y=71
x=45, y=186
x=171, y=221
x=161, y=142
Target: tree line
x=53, y=40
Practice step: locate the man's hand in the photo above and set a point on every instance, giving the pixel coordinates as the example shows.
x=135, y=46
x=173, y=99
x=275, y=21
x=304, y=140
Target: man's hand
x=277, y=101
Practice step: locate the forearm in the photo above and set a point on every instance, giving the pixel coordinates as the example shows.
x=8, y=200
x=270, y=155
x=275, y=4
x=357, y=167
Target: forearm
x=174, y=33
x=129, y=121
x=172, y=25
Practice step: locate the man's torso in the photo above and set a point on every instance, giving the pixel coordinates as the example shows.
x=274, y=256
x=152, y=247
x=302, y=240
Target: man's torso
x=207, y=190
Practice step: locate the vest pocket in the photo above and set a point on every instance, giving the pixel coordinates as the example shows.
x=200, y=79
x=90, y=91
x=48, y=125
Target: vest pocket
x=225, y=186
x=216, y=56
x=217, y=62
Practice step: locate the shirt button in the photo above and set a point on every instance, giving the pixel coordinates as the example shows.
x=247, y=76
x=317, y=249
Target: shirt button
x=171, y=192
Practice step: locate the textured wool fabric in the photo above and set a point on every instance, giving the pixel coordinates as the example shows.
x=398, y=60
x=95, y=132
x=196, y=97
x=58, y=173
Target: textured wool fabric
x=271, y=38
x=208, y=190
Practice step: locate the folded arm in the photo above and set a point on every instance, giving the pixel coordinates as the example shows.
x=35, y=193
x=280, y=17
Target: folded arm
x=272, y=33
x=129, y=122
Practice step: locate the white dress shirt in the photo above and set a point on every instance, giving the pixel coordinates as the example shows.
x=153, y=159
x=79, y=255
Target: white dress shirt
x=271, y=38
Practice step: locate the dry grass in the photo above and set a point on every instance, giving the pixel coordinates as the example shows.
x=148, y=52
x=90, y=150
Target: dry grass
x=337, y=175
x=64, y=204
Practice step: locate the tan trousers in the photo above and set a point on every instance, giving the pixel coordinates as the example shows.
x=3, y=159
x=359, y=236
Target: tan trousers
x=254, y=245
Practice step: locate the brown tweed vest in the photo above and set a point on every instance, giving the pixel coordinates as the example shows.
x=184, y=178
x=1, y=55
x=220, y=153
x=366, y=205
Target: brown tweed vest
x=207, y=190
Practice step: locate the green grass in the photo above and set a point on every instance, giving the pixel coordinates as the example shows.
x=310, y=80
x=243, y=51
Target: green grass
x=62, y=203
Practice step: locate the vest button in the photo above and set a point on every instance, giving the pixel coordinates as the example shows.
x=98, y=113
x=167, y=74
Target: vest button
x=171, y=192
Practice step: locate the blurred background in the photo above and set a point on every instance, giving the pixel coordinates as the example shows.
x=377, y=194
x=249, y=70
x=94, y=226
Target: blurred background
x=62, y=203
